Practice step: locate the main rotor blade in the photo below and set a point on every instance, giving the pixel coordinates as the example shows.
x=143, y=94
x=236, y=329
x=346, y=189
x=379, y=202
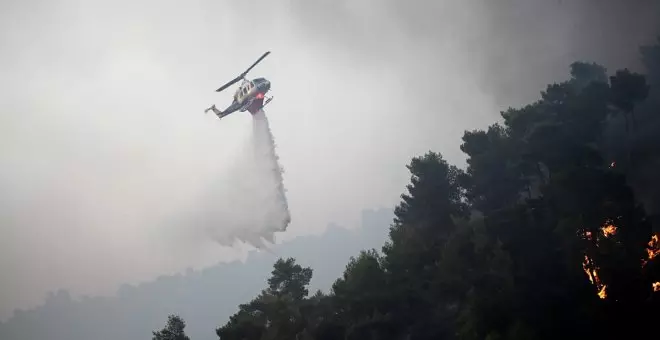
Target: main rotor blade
x=235, y=80
x=232, y=82
x=255, y=63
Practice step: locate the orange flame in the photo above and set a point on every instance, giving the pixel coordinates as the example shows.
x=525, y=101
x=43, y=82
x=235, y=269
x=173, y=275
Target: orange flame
x=592, y=274
x=654, y=248
x=609, y=230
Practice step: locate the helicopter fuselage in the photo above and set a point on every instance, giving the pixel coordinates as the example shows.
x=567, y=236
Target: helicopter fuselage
x=251, y=93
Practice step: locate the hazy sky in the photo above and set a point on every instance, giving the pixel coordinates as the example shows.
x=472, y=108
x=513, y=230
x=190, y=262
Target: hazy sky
x=103, y=139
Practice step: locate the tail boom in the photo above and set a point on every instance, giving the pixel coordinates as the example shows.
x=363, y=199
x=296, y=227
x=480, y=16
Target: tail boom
x=217, y=112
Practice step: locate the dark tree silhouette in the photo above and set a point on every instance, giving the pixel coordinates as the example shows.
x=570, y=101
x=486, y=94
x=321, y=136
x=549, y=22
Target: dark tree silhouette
x=628, y=89
x=174, y=330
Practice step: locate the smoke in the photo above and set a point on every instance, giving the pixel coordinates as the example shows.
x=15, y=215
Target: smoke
x=247, y=203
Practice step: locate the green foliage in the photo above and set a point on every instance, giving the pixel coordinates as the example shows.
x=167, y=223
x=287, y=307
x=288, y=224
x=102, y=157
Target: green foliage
x=495, y=177
x=281, y=311
x=174, y=330
x=582, y=74
x=628, y=90
x=541, y=237
x=289, y=279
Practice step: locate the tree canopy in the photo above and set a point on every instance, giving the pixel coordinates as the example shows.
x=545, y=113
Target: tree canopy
x=174, y=330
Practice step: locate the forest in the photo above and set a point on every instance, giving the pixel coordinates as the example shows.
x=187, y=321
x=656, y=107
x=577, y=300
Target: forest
x=551, y=232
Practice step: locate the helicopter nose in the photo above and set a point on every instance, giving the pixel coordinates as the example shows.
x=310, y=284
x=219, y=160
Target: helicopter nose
x=266, y=85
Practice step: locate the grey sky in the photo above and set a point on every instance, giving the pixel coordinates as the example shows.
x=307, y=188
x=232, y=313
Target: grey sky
x=103, y=140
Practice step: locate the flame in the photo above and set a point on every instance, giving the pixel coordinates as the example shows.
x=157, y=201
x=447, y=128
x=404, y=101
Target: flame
x=585, y=266
x=609, y=230
x=588, y=265
x=654, y=248
x=592, y=274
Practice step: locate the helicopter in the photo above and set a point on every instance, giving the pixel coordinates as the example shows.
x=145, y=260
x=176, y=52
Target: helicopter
x=249, y=96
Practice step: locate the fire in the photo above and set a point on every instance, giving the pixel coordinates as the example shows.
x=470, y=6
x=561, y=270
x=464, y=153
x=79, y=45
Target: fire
x=592, y=274
x=585, y=266
x=609, y=230
x=654, y=248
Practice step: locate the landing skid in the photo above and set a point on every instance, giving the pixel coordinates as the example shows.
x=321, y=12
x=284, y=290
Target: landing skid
x=266, y=102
